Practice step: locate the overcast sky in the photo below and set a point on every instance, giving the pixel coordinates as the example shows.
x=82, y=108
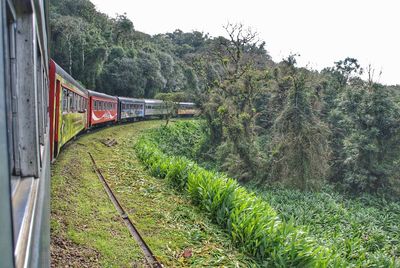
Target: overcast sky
x=321, y=31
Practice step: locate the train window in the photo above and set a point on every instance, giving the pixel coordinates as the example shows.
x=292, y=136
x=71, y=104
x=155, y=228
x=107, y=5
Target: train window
x=76, y=102
x=73, y=98
x=65, y=100
x=70, y=101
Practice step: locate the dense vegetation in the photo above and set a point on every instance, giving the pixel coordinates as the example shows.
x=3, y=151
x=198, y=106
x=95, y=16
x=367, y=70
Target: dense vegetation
x=362, y=231
x=252, y=223
x=270, y=122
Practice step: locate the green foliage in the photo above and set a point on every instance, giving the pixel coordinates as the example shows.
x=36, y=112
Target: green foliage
x=183, y=138
x=371, y=140
x=252, y=224
x=299, y=147
x=361, y=232
x=364, y=230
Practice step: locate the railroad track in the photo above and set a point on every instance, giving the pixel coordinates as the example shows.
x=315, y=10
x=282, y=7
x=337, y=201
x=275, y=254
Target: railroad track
x=148, y=254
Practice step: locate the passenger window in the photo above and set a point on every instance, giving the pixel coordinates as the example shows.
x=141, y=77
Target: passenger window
x=70, y=101
x=65, y=100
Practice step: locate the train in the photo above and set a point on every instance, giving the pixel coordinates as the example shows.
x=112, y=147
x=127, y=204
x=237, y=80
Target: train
x=42, y=108
x=74, y=109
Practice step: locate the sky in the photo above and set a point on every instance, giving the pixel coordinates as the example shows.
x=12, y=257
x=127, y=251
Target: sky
x=321, y=31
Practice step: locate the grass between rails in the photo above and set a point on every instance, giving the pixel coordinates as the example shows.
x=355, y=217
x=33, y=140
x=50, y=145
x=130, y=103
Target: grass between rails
x=363, y=231
x=87, y=231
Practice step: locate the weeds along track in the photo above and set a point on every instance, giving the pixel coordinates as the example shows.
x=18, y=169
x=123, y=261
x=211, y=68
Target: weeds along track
x=151, y=259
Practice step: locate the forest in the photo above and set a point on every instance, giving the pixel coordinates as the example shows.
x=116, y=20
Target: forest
x=267, y=122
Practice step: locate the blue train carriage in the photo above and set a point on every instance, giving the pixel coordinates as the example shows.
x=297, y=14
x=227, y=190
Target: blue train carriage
x=130, y=109
x=156, y=108
x=24, y=135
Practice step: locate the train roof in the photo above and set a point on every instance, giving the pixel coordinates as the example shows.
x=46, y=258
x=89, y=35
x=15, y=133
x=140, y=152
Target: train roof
x=126, y=99
x=68, y=77
x=149, y=101
x=101, y=95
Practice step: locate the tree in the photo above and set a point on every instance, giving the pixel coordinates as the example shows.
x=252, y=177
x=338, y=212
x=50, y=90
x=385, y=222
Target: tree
x=123, y=30
x=371, y=145
x=231, y=108
x=299, y=152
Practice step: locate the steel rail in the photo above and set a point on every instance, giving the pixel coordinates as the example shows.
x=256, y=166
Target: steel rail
x=150, y=258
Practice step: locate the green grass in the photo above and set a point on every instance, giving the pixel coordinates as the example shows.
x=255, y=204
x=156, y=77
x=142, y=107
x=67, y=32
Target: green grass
x=82, y=214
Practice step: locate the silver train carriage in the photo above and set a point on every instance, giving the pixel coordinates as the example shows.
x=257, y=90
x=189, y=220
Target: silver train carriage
x=24, y=134
x=156, y=108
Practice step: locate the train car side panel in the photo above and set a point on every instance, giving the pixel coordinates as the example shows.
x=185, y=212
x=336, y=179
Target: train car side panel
x=130, y=108
x=103, y=107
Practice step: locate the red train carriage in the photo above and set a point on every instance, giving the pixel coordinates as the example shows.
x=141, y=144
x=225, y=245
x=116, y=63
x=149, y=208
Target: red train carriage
x=102, y=108
x=68, y=102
